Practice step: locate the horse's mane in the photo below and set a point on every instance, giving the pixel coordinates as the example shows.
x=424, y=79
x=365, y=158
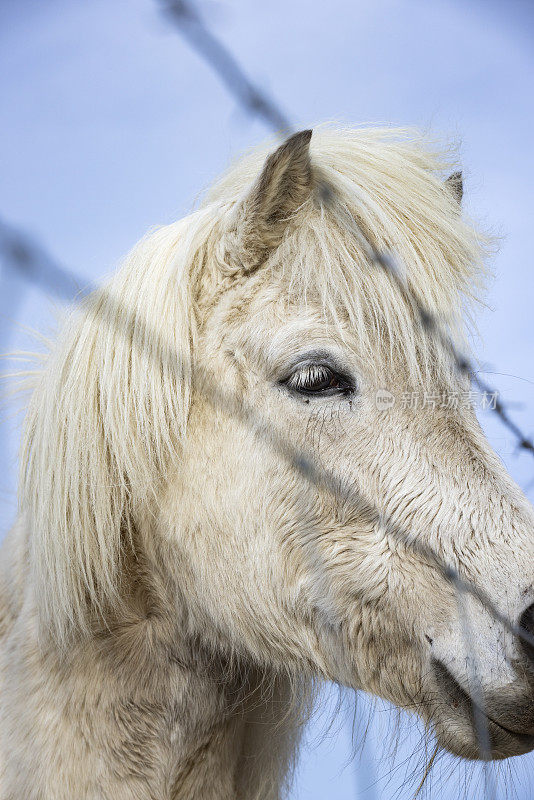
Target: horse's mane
x=110, y=407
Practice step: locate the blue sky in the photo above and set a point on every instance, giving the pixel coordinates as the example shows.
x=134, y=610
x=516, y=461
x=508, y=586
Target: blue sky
x=111, y=124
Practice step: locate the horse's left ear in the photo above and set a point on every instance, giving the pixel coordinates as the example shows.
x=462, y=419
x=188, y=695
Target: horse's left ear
x=284, y=185
x=455, y=184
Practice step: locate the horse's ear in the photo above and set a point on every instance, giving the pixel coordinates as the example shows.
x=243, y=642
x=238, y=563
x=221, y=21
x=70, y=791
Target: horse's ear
x=284, y=185
x=455, y=185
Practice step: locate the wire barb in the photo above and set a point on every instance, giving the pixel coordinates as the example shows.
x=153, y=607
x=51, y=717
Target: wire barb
x=36, y=266
x=249, y=96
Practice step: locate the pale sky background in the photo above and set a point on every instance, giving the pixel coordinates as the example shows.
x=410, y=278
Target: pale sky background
x=111, y=124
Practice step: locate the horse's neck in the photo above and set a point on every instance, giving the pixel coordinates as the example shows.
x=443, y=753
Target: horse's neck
x=141, y=711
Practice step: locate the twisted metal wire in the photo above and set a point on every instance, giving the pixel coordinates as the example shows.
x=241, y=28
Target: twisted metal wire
x=318, y=476
x=256, y=103
x=35, y=265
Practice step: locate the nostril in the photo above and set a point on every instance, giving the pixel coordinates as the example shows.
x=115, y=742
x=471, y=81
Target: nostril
x=526, y=622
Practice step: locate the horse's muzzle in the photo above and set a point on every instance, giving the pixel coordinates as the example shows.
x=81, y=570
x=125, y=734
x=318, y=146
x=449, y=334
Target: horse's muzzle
x=506, y=716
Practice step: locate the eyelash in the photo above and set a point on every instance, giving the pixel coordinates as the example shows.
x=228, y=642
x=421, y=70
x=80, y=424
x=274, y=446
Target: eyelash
x=318, y=380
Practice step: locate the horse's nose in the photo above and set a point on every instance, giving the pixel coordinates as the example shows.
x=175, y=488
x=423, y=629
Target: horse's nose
x=526, y=623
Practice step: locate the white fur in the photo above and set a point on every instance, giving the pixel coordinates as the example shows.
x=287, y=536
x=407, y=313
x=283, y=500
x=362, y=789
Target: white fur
x=174, y=585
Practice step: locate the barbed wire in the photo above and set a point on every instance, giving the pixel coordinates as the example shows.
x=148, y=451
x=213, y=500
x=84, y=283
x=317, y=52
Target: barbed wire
x=463, y=364
x=255, y=102
x=249, y=96
x=35, y=265
x=303, y=463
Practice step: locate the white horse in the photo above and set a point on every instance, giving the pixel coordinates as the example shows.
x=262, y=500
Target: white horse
x=177, y=580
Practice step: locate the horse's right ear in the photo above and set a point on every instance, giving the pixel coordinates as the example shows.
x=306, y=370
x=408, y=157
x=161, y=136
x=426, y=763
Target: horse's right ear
x=283, y=186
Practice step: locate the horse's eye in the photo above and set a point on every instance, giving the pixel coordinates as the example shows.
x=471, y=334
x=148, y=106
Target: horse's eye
x=318, y=379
